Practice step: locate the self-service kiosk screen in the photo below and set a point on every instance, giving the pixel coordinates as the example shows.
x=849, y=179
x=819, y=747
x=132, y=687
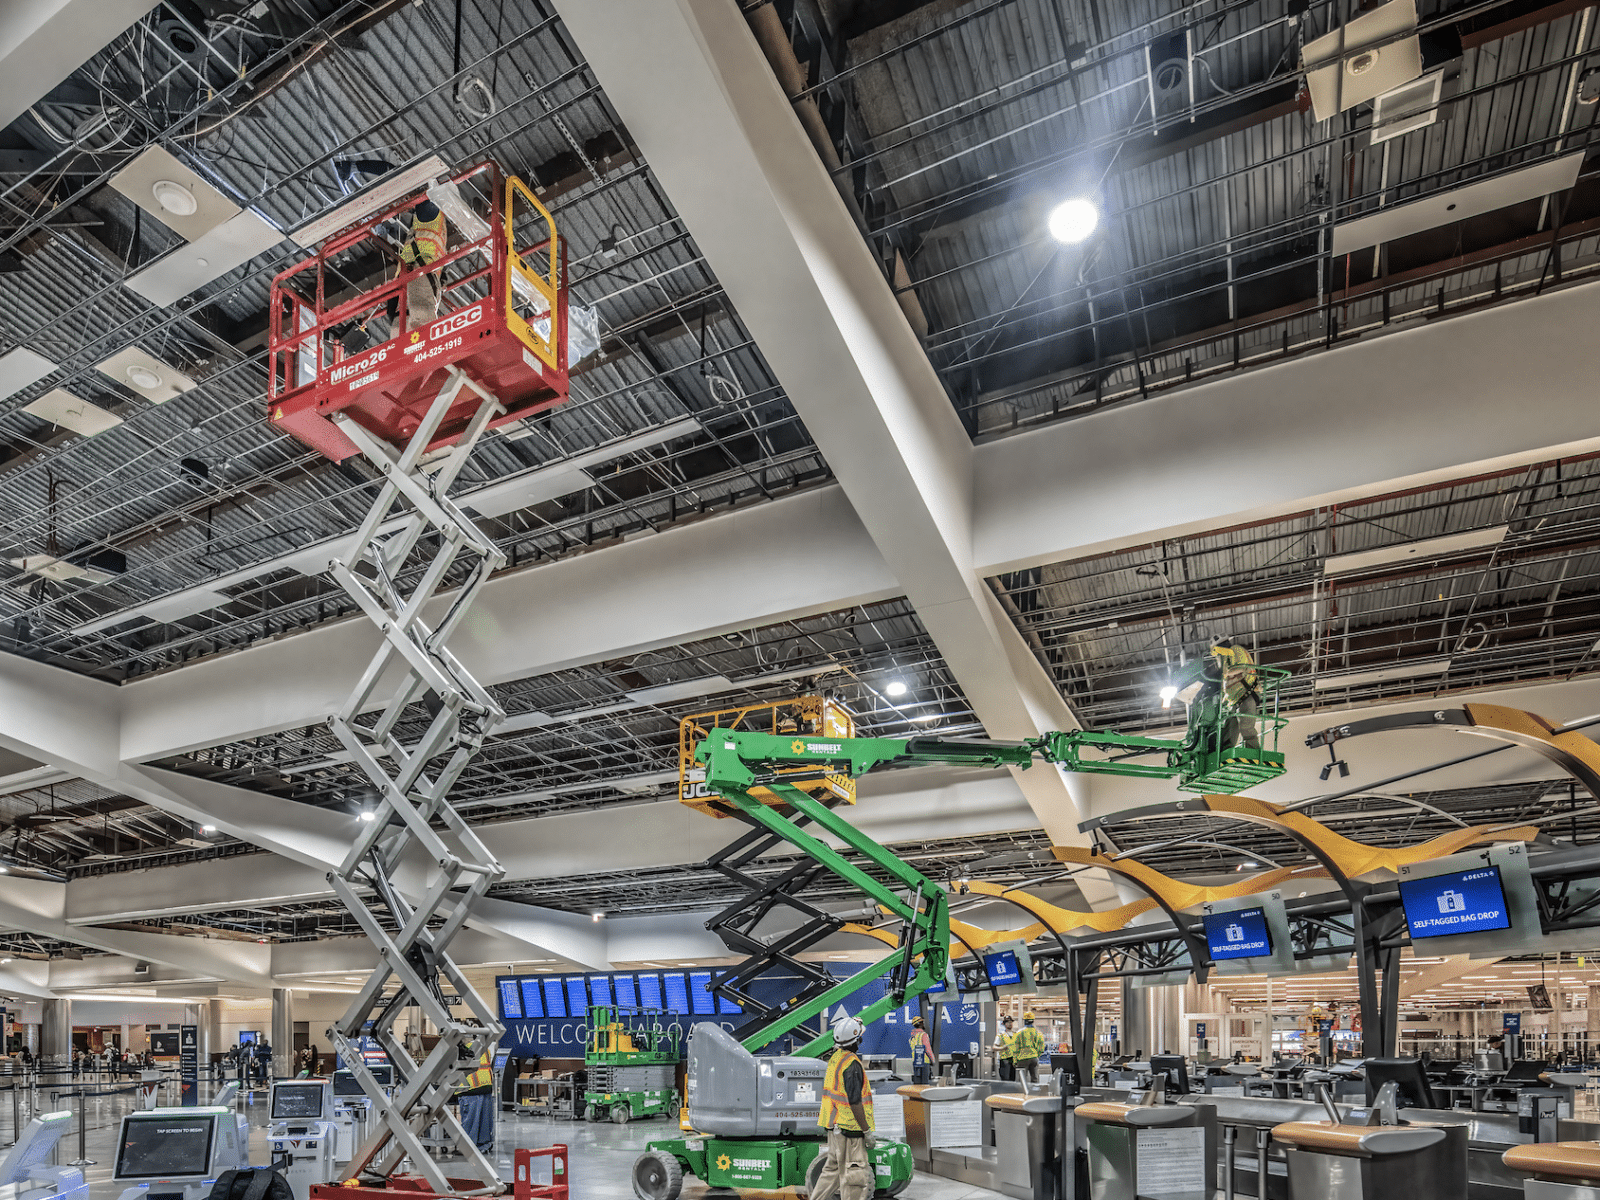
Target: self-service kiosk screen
x=165, y=1147
x=346, y=1084
x=1241, y=934
x=297, y=1101
x=1460, y=902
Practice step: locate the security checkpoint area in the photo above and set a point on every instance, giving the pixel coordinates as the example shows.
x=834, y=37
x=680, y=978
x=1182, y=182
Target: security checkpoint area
x=675, y=599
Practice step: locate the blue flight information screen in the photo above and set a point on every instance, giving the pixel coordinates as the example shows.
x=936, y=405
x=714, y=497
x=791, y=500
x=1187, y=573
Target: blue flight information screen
x=626, y=996
x=1241, y=934
x=510, y=999
x=650, y=992
x=677, y=993
x=600, y=989
x=1460, y=902
x=532, y=999
x=1002, y=968
x=577, y=996
x=705, y=1003
x=555, y=1001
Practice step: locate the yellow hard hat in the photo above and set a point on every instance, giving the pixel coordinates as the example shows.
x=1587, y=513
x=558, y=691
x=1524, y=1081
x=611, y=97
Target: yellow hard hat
x=1028, y=1016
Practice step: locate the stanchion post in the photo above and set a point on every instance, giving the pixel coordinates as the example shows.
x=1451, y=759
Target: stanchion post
x=1230, y=1134
x=83, y=1159
x=1263, y=1175
x=16, y=1114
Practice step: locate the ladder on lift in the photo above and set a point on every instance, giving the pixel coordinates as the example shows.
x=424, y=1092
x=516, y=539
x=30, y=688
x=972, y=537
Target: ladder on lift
x=413, y=542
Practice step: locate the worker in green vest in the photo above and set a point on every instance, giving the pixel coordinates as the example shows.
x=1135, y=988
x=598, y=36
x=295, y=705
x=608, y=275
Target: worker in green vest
x=1241, y=687
x=1002, y=1050
x=846, y=1114
x=1026, y=1048
x=427, y=244
x=923, y=1059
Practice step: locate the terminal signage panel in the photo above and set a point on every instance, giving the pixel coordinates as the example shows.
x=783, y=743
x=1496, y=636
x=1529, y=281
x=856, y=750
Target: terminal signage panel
x=1459, y=902
x=1002, y=968
x=189, y=1064
x=1239, y=934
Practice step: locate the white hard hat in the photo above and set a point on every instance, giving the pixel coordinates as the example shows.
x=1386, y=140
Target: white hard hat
x=847, y=1030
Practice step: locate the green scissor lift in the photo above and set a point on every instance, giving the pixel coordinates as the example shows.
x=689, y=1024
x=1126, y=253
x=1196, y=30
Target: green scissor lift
x=739, y=761
x=631, y=1058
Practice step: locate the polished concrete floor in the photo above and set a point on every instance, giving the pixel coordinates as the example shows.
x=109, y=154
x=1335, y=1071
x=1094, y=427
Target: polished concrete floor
x=601, y=1156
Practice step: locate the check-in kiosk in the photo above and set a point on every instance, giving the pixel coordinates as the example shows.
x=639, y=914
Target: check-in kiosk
x=26, y=1166
x=352, y=1109
x=176, y=1153
x=1150, y=1150
x=302, y=1134
x=1557, y=1170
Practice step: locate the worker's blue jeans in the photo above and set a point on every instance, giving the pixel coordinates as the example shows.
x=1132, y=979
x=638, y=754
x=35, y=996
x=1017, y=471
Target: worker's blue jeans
x=477, y=1118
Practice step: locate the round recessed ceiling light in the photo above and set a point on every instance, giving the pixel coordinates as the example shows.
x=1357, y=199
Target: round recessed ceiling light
x=174, y=198
x=1073, y=220
x=202, y=262
x=143, y=377
x=1360, y=64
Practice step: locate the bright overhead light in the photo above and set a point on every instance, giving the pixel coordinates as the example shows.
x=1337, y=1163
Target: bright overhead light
x=597, y=916
x=208, y=829
x=174, y=198
x=1073, y=220
x=4, y=961
x=895, y=687
x=368, y=815
x=1168, y=695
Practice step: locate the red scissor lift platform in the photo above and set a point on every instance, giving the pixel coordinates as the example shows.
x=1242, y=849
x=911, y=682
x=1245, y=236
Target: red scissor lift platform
x=502, y=321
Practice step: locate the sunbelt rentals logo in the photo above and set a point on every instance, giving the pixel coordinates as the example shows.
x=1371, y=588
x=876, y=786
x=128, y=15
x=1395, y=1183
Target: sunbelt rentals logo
x=723, y=1162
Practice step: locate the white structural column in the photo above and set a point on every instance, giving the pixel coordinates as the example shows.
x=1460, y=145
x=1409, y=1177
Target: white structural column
x=749, y=186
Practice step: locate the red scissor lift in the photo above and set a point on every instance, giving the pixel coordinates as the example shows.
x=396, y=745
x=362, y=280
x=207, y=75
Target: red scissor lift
x=502, y=323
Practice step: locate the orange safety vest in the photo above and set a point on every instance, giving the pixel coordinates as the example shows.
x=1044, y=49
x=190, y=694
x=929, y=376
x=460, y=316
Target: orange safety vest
x=835, y=1108
x=480, y=1076
x=427, y=240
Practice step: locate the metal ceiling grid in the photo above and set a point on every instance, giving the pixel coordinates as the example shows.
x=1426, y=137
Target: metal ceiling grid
x=1212, y=253
x=595, y=744
x=1112, y=628
x=673, y=347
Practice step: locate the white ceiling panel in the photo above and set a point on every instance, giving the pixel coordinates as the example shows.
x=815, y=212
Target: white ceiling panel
x=153, y=172
x=60, y=407
x=234, y=242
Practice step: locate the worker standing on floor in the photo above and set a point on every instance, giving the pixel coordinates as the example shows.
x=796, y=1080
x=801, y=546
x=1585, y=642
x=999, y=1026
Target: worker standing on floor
x=1241, y=687
x=923, y=1058
x=1003, y=1050
x=846, y=1114
x=1026, y=1049
x=475, y=1101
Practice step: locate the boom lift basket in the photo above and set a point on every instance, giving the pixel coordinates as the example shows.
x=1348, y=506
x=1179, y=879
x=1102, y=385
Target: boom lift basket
x=502, y=319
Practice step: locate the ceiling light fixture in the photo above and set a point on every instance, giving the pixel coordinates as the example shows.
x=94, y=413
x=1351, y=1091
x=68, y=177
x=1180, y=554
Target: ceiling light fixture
x=174, y=198
x=896, y=687
x=1168, y=695
x=208, y=829
x=143, y=377
x=368, y=815
x=1073, y=220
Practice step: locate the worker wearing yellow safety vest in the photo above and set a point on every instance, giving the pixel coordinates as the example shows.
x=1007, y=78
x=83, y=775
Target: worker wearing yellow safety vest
x=1026, y=1048
x=475, y=1097
x=923, y=1059
x=1002, y=1050
x=427, y=244
x=1241, y=687
x=846, y=1114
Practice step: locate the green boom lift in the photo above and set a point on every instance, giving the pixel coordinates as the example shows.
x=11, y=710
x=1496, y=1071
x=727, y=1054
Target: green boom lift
x=769, y=1144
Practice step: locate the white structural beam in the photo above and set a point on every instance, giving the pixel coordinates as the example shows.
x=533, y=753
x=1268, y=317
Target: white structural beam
x=772, y=224
x=44, y=41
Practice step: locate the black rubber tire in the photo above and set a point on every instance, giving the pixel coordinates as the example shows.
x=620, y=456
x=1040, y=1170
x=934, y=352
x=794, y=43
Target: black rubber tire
x=657, y=1176
x=814, y=1170
x=621, y=1114
x=593, y=1113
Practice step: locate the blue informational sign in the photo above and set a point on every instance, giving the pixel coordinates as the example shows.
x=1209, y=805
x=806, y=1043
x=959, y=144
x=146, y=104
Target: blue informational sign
x=561, y=1035
x=1200, y=1030
x=1460, y=902
x=1240, y=934
x=1002, y=968
x=1511, y=1023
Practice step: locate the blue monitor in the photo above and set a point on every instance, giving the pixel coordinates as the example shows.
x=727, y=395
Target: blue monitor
x=1002, y=968
x=1460, y=902
x=600, y=989
x=627, y=994
x=1240, y=934
x=510, y=1000
x=650, y=992
x=577, y=996
x=248, y=1036
x=532, y=999
x=705, y=1004
x=677, y=992
x=555, y=1000
x=727, y=1004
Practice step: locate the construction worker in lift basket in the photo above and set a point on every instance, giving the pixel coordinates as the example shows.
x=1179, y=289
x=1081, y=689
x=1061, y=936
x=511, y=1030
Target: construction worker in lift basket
x=846, y=1114
x=1242, y=689
x=427, y=244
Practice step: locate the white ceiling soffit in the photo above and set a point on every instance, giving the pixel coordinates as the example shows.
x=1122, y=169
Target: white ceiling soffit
x=59, y=569
x=1350, y=679
x=184, y=604
x=44, y=41
x=20, y=368
x=155, y=173
x=369, y=200
x=233, y=243
x=1359, y=62
x=507, y=495
x=140, y=371
x=61, y=408
x=1430, y=548
x=1457, y=204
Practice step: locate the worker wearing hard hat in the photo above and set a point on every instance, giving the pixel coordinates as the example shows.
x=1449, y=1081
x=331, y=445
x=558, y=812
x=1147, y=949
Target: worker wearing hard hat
x=1027, y=1048
x=1002, y=1049
x=846, y=1114
x=923, y=1058
x=427, y=244
x=1241, y=687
